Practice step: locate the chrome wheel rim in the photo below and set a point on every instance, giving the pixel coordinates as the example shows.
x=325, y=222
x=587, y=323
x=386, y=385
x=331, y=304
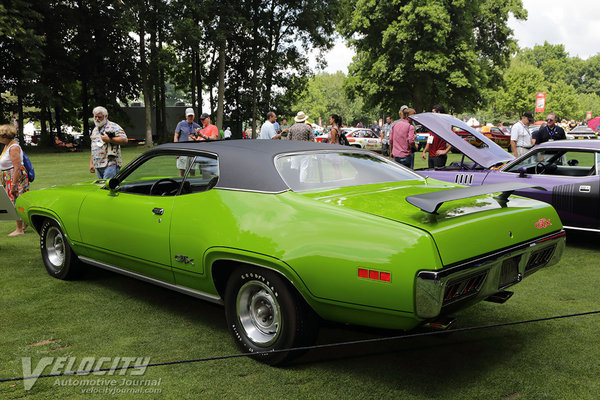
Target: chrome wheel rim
x=55, y=247
x=259, y=314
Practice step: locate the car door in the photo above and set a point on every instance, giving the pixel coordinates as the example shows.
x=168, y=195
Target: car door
x=194, y=224
x=129, y=227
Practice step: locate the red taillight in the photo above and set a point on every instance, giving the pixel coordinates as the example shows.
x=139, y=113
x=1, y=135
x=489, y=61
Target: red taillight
x=385, y=276
x=374, y=274
x=363, y=273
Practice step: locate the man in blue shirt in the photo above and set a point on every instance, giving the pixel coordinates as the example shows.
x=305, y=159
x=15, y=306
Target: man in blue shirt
x=184, y=132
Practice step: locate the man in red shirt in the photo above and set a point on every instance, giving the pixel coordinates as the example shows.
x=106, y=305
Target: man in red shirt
x=208, y=131
x=438, y=149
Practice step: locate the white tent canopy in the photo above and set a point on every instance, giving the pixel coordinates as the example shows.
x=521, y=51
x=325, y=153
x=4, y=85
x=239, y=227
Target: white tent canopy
x=473, y=122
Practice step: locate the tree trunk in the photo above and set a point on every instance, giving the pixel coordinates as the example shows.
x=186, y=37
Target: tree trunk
x=145, y=84
x=221, y=94
x=254, y=84
x=161, y=77
x=86, y=114
x=199, y=81
x=50, y=122
x=3, y=119
x=193, y=85
x=57, y=116
x=20, y=113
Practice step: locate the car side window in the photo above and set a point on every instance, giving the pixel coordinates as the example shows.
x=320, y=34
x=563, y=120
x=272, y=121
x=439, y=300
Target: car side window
x=558, y=162
x=202, y=175
x=156, y=176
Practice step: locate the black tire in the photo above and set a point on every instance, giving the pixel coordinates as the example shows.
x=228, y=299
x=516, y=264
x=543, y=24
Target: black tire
x=265, y=313
x=59, y=259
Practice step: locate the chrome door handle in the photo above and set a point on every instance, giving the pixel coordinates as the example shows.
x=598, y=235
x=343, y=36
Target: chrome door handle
x=158, y=211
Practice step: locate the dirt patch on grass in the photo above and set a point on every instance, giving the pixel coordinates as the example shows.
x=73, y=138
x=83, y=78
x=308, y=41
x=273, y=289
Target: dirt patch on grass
x=43, y=342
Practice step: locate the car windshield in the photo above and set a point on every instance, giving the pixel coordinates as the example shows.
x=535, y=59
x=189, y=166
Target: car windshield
x=557, y=162
x=317, y=171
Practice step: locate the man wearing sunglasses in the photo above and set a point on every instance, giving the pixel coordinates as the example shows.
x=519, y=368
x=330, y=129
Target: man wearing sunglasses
x=549, y=132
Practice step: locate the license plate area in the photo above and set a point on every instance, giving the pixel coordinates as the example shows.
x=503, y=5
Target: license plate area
x=509, y=273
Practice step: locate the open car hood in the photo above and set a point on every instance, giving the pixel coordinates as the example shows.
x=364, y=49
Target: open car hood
x=487, y=155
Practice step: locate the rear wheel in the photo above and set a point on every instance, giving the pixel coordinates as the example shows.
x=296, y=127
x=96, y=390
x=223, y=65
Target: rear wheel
x=59, y=259
x=265, y=313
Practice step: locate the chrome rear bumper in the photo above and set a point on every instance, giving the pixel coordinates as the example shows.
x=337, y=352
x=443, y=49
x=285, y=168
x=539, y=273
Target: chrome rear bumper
x=477, y=279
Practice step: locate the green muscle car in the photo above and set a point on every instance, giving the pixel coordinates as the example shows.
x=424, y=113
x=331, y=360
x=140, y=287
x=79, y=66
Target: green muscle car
x=286, y=233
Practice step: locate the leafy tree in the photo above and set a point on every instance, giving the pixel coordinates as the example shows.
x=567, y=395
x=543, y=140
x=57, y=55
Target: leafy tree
x=325, y=95
x=425, y=52
x=522, y=81
x=562, y=100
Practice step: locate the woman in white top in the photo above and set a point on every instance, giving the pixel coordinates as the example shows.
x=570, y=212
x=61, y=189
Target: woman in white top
x=13, y=175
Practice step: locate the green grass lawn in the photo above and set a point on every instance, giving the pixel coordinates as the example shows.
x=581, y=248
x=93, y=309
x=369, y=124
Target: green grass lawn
x=108, y=315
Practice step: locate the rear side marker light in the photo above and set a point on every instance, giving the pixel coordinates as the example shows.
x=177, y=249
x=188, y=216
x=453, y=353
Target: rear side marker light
x=558, y=235
x=21, y=209
x=374, y=275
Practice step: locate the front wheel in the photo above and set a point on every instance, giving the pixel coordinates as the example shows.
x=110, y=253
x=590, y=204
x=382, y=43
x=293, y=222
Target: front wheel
x=59, y=259
x=264, y=313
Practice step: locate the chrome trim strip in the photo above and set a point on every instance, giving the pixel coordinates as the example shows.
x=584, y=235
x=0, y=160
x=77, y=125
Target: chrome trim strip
x=486, y=259
x=180, y=289
x=250, y=190
x=576, y=228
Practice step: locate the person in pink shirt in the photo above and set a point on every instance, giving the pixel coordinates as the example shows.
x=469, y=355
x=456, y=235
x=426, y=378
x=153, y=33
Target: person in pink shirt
x=402, y=139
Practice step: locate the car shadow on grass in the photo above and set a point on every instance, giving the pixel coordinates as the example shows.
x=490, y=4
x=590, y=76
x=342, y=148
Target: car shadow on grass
x=161, y=299
x=583, y=239
x=424, y=366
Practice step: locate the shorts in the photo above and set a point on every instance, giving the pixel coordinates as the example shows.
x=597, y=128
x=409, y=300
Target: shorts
x=184, y=162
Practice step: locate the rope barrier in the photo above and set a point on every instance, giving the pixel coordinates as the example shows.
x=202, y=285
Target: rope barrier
x=313, y=347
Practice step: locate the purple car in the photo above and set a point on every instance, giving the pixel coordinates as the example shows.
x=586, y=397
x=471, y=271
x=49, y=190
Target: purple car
x=565, y=172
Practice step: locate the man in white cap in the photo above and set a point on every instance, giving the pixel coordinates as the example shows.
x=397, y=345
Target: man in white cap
x=186, y=127
x=183, y=132
x=301, y=130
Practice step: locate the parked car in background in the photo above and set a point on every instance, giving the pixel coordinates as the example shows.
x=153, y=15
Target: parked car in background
x=498, y=135
x=271, y=241
x=363, y=138
x=322, y=136
x=567, y=171
x=581, y=132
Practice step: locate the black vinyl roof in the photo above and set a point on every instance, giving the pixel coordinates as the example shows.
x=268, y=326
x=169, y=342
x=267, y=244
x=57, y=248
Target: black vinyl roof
x=249, y=164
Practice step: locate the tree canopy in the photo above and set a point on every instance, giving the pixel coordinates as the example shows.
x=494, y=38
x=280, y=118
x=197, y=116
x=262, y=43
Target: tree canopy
x=426, y=52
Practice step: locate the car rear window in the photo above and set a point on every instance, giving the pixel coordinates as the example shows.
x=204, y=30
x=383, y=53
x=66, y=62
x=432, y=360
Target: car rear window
x=315, y=171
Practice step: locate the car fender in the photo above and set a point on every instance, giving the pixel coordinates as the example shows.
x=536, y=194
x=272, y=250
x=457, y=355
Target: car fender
x=220, y=262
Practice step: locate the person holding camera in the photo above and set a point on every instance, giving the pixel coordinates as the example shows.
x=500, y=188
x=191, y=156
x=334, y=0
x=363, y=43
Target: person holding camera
x=107, y=138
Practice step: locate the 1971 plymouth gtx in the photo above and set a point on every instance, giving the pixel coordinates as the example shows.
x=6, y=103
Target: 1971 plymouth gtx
x=240, y=228
x=566, y=169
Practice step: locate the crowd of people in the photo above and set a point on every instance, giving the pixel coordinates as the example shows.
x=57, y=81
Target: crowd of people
x=398, y=142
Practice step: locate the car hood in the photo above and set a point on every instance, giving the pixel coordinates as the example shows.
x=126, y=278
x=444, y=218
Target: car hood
x=441, y=124
x=461, y=229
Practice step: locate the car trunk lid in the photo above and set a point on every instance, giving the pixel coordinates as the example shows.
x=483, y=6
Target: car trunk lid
x=462, y=228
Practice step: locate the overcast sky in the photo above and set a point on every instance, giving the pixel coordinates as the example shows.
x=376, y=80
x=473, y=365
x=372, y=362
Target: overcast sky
x=572, y=23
